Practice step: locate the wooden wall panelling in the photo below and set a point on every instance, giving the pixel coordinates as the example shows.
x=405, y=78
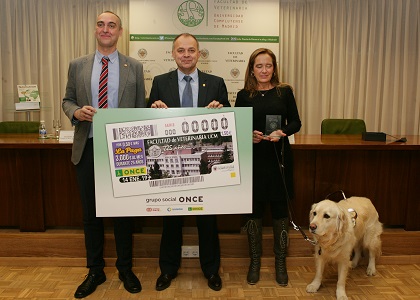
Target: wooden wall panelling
x=9, y=208
x=29, y=191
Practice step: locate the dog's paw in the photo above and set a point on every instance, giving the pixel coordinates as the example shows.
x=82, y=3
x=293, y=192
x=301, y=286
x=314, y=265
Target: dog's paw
x=341, y=293
x=312, y=288
x=371, y=271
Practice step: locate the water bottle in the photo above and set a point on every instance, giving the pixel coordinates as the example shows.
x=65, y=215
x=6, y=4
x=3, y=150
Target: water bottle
x=42, y=130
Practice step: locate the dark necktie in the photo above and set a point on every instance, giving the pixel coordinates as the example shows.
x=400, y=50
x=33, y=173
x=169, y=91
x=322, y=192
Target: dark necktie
x=187, y=97
x=103, y=84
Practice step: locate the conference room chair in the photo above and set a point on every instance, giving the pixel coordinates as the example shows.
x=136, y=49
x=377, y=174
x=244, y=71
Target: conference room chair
x=19, y=127
x=343, y=126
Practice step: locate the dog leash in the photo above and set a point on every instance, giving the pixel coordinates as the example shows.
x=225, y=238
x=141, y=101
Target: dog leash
x=342, y=193
x=289, y=206
x=305, y=237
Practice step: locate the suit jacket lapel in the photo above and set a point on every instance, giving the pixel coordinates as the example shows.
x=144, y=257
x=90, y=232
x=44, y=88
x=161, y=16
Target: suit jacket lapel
x=173, y=86
x=202, y=89
x=87, y=78
x=124, y=71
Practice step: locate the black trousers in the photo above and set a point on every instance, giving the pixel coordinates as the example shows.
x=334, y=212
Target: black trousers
x=278, y=209
x=94, y=227
x=208, y=242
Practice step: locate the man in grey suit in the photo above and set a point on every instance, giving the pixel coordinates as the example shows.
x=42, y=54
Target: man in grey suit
x=188, y=87
x=104, y=79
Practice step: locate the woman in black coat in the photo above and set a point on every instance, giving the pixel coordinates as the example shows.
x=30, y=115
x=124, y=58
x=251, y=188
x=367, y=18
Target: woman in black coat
x=275, y=117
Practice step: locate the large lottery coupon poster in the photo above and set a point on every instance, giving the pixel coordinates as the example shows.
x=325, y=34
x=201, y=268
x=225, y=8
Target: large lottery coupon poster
x=173, y=162
x=173, y=154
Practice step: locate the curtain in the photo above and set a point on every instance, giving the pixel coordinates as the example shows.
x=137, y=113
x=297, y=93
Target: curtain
x=353, y=59
x=38, y=40
x=344, y=58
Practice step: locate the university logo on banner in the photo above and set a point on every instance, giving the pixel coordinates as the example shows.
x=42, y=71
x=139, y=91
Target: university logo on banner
x=190, y=13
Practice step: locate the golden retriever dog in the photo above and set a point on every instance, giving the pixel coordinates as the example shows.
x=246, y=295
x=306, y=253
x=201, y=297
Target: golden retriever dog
x=340, y=230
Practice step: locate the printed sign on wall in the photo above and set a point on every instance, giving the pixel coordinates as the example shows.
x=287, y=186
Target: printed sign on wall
x=228, y=32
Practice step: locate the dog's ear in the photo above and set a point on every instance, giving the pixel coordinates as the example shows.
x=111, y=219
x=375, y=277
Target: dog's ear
x=340, y=219
x=311, y=216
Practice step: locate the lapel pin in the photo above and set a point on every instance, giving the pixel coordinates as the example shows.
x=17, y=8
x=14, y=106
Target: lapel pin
x=125, y=65
x=204, y=84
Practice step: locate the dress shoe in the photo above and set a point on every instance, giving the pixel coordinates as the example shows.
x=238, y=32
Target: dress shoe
x=164, y=281
x=89, y=285
x=131, y=282
x=215, y=282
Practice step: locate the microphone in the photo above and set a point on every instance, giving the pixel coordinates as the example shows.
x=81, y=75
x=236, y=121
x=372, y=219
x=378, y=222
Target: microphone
x=398, y=140
x=381, y=137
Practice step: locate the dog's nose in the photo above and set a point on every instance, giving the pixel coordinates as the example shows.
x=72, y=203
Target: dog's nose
x=312, y=227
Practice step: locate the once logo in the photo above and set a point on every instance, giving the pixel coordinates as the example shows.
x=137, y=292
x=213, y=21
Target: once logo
x=190, y=13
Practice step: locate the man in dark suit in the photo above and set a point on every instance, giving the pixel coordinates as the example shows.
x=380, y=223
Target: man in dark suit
x=104, y=79
x=170, y=90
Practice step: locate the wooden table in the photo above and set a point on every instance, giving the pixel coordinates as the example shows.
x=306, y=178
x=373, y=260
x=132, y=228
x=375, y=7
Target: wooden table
x=39, y=190
x=37, y=183
x=385, y=172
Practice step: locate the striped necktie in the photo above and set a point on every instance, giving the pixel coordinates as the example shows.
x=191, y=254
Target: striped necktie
x=103, y=84
x=187, y=97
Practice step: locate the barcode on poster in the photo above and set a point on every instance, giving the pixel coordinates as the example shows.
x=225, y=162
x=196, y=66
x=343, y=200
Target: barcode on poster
x=133, y=132
x=176, y=181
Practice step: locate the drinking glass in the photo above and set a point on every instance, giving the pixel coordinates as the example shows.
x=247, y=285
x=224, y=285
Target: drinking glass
x=57, y=127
